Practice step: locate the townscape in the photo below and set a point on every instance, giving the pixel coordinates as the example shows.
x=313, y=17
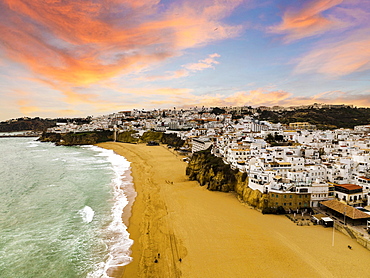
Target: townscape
x=309, y=174
x=298, y=165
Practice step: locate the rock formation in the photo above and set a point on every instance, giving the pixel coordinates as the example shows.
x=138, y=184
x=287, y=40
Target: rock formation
x=212, y=172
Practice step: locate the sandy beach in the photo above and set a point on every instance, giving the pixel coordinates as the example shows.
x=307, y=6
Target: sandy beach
x=180, y=229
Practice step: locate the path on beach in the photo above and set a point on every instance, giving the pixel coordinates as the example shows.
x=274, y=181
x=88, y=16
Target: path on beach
x=217, y=236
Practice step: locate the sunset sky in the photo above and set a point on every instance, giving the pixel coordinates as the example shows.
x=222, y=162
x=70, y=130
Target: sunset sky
x=72, y=58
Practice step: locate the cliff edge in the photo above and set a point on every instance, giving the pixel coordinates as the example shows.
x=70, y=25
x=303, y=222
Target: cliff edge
x=212, y=172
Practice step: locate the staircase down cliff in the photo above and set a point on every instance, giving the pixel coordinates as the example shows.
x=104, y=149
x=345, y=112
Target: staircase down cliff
x=212, y=172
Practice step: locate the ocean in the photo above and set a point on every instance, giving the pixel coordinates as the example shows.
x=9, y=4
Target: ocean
x=61, y=208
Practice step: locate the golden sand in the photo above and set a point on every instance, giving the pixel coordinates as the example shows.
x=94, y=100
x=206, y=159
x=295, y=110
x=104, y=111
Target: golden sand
x=215, y=235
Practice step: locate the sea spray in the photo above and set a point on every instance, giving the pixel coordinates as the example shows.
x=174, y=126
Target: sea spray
x=87, y=214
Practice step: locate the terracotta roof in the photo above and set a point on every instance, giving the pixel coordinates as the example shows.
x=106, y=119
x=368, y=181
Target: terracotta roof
x=349, y=186
x=351, y=212
x=365, y=178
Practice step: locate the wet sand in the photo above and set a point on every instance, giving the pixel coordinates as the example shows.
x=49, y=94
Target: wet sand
x=215, y=235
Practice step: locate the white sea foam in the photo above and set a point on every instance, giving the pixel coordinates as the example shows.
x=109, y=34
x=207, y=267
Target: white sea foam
x=32, y=145
x=118, y=241
x=87, y=214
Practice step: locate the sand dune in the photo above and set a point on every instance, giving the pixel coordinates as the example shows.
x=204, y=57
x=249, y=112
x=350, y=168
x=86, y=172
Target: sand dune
x=215, y=235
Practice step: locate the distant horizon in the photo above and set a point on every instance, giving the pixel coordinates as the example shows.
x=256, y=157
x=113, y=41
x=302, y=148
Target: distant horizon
x=74, y=58
x=179, y=108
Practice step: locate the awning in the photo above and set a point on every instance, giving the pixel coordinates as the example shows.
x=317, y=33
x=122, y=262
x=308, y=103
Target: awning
x=327, y=219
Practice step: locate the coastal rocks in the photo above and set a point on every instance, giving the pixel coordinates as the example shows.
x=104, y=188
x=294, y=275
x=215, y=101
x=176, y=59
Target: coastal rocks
x=82, y=138
x=130, y=136
x=212, y=172
x=94, y=137
x=170, y=139
x=254, y=198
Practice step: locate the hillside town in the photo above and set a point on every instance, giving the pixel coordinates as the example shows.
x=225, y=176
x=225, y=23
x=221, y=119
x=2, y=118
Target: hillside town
x=297, y=165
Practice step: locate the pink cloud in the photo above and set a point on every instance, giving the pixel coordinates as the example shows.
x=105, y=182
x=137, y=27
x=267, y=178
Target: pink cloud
x=263, y=97
x=308, y=21
x=167, y=76
x=339, y=58
x=81, y=43
x=203, y=64
x=253, y=97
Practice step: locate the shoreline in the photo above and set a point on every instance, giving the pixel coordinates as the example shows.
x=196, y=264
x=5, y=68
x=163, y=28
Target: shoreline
x=217, y=236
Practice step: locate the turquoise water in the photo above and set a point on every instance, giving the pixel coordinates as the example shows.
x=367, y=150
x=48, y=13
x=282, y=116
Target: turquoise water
x=60, y=210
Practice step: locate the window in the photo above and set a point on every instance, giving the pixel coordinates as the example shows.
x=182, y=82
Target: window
x=272, y=195
x=290, y=196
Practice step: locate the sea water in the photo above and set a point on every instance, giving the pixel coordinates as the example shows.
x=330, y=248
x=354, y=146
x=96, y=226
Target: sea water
x=60, y=210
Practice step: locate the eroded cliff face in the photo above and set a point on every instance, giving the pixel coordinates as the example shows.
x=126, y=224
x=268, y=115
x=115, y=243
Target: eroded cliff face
x=84, y=138
x=212, y=172
x=93, y=137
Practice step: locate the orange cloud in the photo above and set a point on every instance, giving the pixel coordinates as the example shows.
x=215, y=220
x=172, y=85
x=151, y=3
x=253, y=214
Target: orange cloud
x=83, y=42
x=263, y=97
x=338, y=59
x=308, y=21
x=253, y=97
x=26, y=108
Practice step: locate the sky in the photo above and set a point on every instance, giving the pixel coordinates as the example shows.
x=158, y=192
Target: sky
x=74, y=58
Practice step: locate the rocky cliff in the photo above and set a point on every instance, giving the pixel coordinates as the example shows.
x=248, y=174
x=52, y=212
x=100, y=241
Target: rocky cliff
x=164, y=138
x=93, y=137
x=82, y=138
x=212, y=172
x=128, y=137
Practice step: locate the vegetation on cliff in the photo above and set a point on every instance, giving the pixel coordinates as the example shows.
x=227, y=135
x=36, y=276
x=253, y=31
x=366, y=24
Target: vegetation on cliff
x=324, y=118
x=81, y=138
x=172, y=139
x=128, y=137
x=23, y=124
x=37, y=124
x=165, y=138
x=94, y=137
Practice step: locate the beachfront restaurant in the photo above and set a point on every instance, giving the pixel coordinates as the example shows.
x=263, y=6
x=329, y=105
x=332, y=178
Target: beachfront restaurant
x=345, y=213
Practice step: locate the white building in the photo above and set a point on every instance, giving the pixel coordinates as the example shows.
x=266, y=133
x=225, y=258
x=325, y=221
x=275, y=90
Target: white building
x=201, y=143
